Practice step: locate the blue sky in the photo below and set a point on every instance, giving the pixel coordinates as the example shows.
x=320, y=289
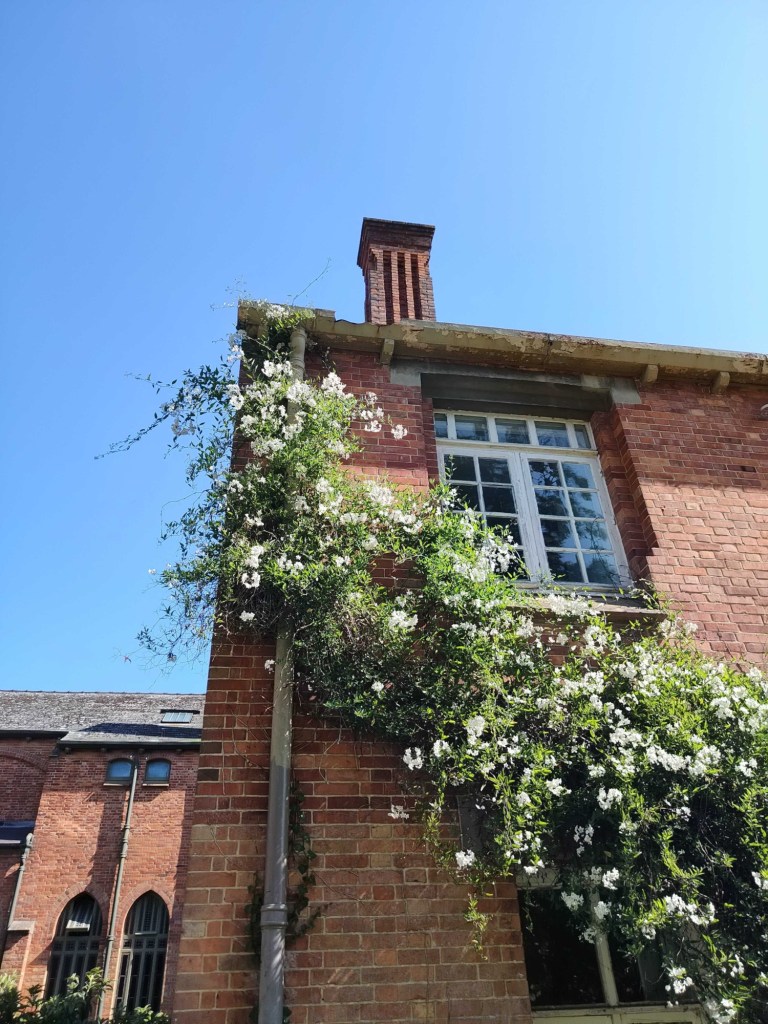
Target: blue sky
x=592, y=168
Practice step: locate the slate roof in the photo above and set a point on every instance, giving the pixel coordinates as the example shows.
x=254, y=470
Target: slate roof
x=101, y=719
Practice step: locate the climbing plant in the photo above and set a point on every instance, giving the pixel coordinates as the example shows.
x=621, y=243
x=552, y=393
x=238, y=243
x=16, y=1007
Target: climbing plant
x=631, y=772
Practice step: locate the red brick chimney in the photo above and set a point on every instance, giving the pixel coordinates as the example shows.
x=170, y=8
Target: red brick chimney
x=394, y=258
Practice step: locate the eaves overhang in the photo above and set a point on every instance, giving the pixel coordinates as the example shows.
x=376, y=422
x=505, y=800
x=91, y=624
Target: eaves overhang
x=527, y=350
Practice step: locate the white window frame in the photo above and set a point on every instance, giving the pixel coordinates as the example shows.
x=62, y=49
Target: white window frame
x=528, y=515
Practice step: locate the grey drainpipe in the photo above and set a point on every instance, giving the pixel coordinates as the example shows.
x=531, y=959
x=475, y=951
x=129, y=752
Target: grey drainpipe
x=274, y=911
x=29, y=839
x=126, y=831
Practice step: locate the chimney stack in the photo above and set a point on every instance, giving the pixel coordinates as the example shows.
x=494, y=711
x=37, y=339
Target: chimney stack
x=394, y=258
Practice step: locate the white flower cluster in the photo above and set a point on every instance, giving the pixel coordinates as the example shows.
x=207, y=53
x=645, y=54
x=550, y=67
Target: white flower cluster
x=465, y=859
x=413, y=758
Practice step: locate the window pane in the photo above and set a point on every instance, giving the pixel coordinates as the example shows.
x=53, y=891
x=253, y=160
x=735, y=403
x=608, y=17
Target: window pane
x=551, y=503
x=639, y=979
x=467, y=495
x=441, y=424
x=119, y=771
x=552, y=435
x=562, y=969
x=593, y=534
x=498, y=499
x=585, y=503
x=601, y=568
x=545, y=474
x=471, y=428
x=494, y=471
x=460, y=467
x=564, y=566
x=512, y=431
x=582, y=436
x=557, y=533
x=577, y=474
x=509, y=527
x=157, y=771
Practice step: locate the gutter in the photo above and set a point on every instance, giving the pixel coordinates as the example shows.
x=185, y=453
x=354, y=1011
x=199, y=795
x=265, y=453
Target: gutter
x=16, y=892
x=274, y=910
x=126, y=831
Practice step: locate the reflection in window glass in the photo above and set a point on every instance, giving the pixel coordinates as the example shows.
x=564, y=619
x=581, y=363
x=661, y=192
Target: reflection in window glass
x=441, y=424
x=552, y=435
x=471, y=428
x=582, y=436
x=512, y=431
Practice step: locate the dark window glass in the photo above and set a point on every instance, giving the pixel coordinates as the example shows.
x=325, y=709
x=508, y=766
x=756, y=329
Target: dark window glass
x=564, y=566
x=75, y=946
x=562, y=968
x=142, y=965
x=467, y=495
x=460, y=467
x=593, y=534
x=508, y=527
x=557, y=533
x=157, y=771
x=585, y=503
x=494, y=471
x=498, y=499
x=551, y=503
x=119, y=770
x=601, y=568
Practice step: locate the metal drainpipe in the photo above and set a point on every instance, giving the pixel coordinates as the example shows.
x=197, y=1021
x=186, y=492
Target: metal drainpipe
x=274, y=911
x=28, y=840
x=126, y=831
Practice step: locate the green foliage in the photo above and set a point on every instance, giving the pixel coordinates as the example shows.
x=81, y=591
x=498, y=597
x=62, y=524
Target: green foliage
x=76, y=1006
x=634, y=773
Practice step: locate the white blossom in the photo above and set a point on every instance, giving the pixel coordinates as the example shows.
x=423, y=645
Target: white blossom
x=572, y=900
x=412, y=758
x=399, y=432
x=465, y=859
x=606, y=798
x=440, y=747
x=398, y=812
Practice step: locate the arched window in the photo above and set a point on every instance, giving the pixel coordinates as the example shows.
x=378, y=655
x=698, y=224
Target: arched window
x=119, y=771
x=76, y=943
x=142, y=965
x=158, y=772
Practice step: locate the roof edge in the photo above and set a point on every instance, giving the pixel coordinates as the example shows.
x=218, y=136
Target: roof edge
x=532, y=350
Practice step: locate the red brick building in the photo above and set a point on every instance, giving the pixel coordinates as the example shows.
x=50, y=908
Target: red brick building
x=652, y=464
x=611, y=462
x=96, y=794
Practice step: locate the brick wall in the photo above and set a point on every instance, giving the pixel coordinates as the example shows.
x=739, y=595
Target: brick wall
x=391, y=942
x=392, y=932
x=77, y=841
x=696, y=465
